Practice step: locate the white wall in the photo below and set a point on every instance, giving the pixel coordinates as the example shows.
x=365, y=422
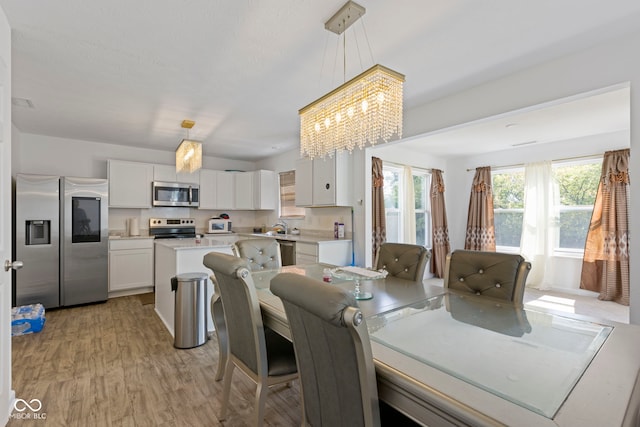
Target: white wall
x=42, y=154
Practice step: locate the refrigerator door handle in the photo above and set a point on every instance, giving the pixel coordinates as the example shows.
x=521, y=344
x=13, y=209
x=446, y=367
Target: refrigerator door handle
x=16, y=265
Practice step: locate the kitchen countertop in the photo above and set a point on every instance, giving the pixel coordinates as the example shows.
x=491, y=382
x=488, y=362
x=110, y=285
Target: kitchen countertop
x=205, y=242
x=121, y=237
x=296, y=238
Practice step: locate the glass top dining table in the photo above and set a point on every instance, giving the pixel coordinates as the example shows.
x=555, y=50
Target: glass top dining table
x=428, y=342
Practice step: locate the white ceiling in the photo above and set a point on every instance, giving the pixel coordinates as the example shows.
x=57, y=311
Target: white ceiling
x=128, y=72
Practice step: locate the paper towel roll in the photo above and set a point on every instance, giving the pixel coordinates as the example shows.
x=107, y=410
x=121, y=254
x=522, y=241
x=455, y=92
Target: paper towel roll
x=134, y=227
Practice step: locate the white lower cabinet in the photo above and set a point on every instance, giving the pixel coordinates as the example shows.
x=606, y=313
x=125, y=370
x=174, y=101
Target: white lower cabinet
x=335, y=252
x=130, y=264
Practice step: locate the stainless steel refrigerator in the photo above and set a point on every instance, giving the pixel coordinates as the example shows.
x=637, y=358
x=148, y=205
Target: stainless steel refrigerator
x=61, y=236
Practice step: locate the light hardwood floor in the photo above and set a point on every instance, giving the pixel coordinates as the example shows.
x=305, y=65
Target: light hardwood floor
x=114, y=364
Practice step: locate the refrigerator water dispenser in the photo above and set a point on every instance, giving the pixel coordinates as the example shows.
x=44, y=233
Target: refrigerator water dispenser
x=38, y=232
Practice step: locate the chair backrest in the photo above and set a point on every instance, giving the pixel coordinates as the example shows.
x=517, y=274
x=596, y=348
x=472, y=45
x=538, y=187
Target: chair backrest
x=494, y=275
x=403, y=260
x=243, y=318
x=261, y=254
x=333, y=352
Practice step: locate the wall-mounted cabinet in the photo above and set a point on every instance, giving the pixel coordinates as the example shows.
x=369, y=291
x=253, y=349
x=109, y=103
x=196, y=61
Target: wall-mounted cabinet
x=324, y=182
x=129, y=184
x=167, y=173
x=255, y=190
x=237, y=190
x=216, y=189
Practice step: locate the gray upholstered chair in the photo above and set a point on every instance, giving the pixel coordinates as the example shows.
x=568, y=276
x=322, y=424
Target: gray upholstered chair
x=265, y=356
x=261, y=254
x=403, y=260
x=494, y=275
x=333, y=351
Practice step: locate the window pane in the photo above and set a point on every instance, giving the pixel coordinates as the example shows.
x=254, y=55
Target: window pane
x=508, y=227
x=574, y=225
x=508, y=206
x=393, y=226
x=423, y=226
x=578, y=183
x=391, y=188
x=420, y=191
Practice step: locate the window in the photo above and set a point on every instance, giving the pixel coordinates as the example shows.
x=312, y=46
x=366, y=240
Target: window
x=394, y=196
x=288, y=208
x=508, y=208
x=578, y=184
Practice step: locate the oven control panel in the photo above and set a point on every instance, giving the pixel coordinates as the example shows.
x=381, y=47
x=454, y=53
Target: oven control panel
x=171, y=222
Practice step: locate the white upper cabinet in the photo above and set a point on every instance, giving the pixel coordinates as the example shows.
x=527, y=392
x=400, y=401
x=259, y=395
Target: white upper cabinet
x=265, y=190
x=167, y=173
x=208, y=190
x=244, y=199
x=129, y=184
x=304, y=182
x=164, y=173
x=225, y=190
x=324, y=182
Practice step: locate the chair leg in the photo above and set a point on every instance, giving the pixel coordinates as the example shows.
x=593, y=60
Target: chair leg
x=226, y=389
x=217, y=313
x=261, y=397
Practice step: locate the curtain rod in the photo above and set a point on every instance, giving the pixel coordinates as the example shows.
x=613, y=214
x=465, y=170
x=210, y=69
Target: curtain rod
x=590, y=156
x=400, y=165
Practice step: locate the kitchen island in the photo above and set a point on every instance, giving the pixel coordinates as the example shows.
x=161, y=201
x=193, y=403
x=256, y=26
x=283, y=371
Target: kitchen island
x=178, y=256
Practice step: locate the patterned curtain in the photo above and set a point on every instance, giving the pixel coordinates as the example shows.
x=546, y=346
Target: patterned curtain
x=605, y=267
x=379, y=231
x=439, y=229
x=481, y=234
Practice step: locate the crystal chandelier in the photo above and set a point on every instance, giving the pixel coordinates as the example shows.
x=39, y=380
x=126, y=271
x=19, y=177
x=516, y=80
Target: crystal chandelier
x=189, y=152
x=365, y=110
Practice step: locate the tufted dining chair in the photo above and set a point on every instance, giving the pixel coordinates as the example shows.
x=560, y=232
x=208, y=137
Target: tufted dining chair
x=262, y=354
x=403, y=260
x=260, y=254
x=494, y=275
x=333, y=351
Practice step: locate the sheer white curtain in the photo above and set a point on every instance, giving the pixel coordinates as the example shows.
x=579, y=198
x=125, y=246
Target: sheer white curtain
x=409, y=208
x=541, y=220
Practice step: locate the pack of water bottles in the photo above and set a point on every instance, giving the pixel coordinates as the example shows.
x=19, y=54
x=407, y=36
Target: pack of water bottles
x=27, y=319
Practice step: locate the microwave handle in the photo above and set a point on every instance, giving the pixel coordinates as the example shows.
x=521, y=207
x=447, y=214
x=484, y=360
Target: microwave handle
x=190, y=195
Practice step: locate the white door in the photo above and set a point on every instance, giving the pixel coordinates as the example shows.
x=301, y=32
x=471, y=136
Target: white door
x=6, y=394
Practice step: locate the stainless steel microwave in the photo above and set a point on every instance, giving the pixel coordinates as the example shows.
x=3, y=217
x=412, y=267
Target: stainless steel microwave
x=175, y=194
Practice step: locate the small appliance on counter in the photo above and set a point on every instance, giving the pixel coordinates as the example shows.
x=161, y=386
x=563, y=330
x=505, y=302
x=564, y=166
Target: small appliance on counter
x=218, y=225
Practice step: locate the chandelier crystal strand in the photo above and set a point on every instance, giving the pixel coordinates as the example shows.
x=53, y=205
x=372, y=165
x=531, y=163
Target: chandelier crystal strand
x=365, y=110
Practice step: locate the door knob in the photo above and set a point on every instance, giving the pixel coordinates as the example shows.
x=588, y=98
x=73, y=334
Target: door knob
x=16, y=265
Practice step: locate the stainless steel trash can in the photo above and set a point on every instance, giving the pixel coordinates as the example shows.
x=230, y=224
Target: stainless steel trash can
x=190, y=315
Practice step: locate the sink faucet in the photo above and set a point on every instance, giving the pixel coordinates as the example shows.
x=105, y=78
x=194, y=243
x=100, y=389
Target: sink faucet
x=283, y=225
